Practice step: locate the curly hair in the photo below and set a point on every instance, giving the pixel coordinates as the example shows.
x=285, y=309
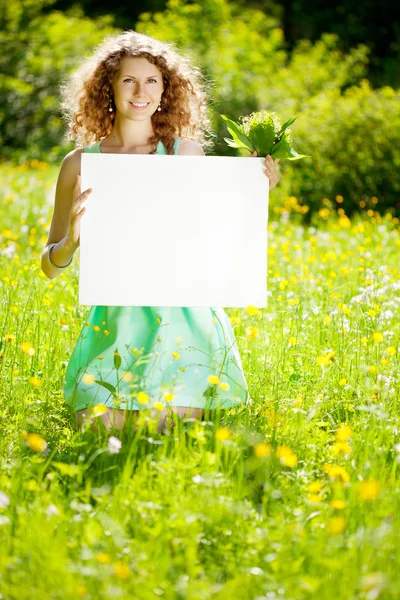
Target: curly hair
x=86, y=93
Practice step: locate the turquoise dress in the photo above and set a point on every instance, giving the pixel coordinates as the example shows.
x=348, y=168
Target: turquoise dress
x=131, y=357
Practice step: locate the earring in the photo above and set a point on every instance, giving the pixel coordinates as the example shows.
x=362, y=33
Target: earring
x=110, y=107
x=159, y=106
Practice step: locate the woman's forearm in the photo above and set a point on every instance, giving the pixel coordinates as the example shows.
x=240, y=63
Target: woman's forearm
x=58, y=258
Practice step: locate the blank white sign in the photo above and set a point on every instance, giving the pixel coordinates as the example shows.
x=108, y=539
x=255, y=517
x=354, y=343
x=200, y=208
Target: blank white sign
x=163, y=230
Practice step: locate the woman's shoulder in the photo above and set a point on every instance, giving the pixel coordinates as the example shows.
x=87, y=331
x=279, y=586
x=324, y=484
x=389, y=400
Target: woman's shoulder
x=190, y=147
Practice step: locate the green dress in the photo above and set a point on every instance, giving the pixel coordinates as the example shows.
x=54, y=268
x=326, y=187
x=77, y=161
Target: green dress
x=130, y=357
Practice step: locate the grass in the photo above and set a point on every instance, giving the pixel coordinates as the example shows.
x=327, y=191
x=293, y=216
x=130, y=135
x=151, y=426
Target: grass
x=294, y=496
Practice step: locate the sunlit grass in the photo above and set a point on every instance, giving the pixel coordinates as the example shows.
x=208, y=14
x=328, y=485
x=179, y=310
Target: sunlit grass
x=293, y=496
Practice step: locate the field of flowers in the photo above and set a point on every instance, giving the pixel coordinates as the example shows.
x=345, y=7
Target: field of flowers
x=294, y=496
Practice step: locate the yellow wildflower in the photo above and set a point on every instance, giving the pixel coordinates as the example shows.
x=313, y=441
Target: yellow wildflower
x=336, y=525
x=377, y=337
x=9, y=337
x=368, y=489
x=391, y=350
x=338, y=504
x=88, y=379
x=35, y=441
x=343, y=433
x=214, y=379
x=97, y=410
x=224, y=386
x=252, y=332
x=235, y=320
x=314, y=498
x=292, y=341
x=315, y=486
x=121, y=570
x=168, y=397
x=35, y=381
x=262, y=449
x=175, y=355
x=286, y=456
x=337, y=472
x=27, y=348
x=142, y=397
x=127, y=376
x=253, y=310
x=159, y=405
x=341, y=449
x=103, y=557
x=223, y=433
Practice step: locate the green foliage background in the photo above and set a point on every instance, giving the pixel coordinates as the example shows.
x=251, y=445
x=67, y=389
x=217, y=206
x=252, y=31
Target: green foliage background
x=349, y=128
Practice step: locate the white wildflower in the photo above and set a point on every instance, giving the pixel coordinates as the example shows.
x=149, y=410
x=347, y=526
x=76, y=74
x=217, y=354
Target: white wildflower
x=114, y=445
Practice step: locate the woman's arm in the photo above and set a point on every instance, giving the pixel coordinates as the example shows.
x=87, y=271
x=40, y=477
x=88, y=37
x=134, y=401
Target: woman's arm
x=57, y=257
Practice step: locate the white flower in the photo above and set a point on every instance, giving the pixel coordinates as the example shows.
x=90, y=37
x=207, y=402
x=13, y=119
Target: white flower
x=114, y=445
x=4, y=500
x=52, y=510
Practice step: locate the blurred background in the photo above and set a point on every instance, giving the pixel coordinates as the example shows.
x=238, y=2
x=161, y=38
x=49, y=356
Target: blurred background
x=335, y=64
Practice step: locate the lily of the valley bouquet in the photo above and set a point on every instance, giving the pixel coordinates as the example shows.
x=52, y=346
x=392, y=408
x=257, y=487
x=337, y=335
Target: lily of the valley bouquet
x=262, y=131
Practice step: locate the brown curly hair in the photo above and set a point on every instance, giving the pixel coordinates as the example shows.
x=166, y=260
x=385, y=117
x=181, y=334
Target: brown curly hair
x=86, y=93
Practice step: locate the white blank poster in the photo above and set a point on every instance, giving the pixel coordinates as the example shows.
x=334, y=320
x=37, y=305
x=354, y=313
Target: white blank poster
x=162, y=230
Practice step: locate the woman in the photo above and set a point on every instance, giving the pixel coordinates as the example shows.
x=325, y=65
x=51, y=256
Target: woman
x=137, y=95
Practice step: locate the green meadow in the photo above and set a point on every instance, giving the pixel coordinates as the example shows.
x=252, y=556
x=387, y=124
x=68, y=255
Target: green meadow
x=294, y=496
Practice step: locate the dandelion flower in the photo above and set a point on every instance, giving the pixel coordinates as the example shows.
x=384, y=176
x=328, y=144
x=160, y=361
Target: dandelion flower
x=27, y=348
x=262, y=449
x=121, y=570
x=214, y=379
x=35, y=442
x=391, y=350
x=338, y=504
x=142, y=398
x=343, y=433
x=377, y=337
x=252, y=332
x=336, y=525
x=368, y=489
x=175, y=354
x=223, y=433
x=224, y=386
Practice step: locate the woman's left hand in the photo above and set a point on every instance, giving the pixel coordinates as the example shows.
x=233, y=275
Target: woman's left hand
x=270, y=169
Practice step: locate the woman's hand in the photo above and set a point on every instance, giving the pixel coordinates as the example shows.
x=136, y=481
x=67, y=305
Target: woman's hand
x=270, y=169
x=76, y=212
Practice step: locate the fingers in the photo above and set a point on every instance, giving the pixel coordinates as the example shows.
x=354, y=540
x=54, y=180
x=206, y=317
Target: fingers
x=78, y=204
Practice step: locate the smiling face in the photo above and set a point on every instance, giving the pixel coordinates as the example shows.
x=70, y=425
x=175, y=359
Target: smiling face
x=137, y=82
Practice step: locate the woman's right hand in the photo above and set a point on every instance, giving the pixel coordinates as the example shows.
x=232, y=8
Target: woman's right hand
x=77, y=210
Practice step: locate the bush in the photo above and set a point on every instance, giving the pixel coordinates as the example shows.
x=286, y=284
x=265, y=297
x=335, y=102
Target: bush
x=36, y=52
x=354, y=141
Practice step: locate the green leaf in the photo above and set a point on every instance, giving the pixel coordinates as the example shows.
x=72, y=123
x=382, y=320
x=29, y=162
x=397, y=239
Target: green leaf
x=281, y=149
x=287, y=124
x=231, y=143
x=108, y=386
x=295, y=156
x=238, y=136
